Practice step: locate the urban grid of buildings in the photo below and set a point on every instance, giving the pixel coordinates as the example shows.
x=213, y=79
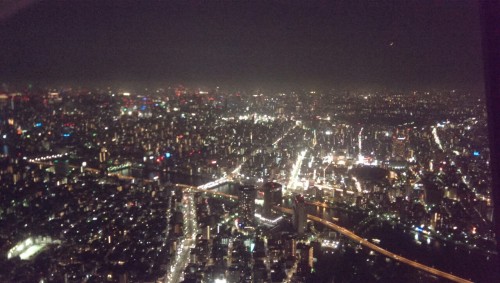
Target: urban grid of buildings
x=212, y=185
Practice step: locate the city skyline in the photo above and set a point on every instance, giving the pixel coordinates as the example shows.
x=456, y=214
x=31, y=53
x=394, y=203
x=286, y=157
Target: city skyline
x=248, y=142
x=407, y=178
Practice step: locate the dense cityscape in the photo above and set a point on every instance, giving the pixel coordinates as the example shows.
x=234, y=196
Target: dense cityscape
x=188, y=184
x=227, y=141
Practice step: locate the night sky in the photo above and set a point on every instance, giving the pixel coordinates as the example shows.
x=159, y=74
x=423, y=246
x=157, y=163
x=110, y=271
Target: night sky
x=392, y=44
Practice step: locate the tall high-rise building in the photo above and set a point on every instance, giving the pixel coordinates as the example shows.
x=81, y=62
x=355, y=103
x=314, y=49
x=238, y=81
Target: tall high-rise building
x=103, y=155
x=299, y=214
x=272, y=196
x=399, y=144
x=246, y=205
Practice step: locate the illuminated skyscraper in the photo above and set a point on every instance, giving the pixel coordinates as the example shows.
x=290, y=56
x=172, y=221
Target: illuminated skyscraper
x=399, y=144
x=103, y=155
x=246, y=205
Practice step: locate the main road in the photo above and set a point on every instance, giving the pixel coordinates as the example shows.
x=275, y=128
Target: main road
x=190, y=229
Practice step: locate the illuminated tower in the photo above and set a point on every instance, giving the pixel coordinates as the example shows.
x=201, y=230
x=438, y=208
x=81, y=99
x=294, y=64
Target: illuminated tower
x=246, y=205
x=299, y=214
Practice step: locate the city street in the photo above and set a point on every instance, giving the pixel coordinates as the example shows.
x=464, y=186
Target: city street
x=181, y=260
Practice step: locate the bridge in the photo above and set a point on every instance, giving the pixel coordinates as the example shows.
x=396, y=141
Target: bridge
x=120, y=167
x=378, y=249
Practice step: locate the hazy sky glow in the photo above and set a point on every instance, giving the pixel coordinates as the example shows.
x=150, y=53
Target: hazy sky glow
x=409, y=44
